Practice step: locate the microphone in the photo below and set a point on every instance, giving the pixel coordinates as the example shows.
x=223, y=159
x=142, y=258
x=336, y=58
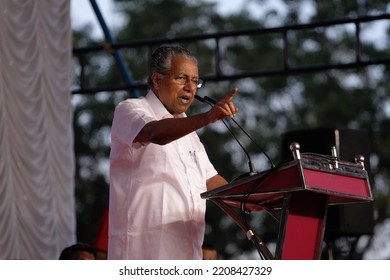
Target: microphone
x=261, y=248
x=208, y=99
x=252, y=171
x=199, y=98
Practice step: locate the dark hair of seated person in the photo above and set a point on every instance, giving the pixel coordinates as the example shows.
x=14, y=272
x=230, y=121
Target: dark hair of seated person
x=78, y=251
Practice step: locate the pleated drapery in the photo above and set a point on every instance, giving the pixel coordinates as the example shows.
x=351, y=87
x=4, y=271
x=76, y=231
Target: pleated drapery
x=37, y=207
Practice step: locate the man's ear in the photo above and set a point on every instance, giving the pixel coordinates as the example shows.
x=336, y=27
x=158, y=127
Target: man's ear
x=156, y=80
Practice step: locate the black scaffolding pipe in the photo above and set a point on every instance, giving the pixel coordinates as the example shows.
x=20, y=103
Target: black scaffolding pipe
x=287, y=69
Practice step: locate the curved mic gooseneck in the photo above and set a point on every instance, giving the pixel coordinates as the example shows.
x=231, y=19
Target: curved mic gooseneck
x=260, y=246
x=206, y=98
x=212, y=101
x=252, y=170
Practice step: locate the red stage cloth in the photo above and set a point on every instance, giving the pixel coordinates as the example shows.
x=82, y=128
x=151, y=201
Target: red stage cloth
x=101, y=240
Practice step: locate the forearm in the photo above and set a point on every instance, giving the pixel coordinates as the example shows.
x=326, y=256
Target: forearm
x=167, y=130
x=215, y=182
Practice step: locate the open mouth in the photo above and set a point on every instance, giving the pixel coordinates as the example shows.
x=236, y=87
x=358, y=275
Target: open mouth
x=185, y=99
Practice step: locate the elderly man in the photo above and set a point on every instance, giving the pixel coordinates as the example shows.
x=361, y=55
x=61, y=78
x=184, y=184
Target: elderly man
x=159, y=167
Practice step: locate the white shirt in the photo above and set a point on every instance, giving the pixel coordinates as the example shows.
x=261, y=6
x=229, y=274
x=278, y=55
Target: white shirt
x=156, y=211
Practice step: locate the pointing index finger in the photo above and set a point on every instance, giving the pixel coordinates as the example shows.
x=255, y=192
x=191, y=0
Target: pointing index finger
x=231, y=94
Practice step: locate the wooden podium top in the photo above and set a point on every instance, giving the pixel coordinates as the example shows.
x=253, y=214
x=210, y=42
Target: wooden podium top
x=342, y=182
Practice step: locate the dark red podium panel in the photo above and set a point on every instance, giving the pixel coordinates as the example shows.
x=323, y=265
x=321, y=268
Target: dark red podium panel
x=297, y=193
x=343, y=220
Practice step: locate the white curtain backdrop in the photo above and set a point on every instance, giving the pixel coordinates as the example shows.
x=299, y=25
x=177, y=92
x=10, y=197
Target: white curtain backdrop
x=37, y=207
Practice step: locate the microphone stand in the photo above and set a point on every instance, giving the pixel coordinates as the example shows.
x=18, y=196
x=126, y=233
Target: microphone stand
x=210, y=100
x=260, y=246
x=252, y=170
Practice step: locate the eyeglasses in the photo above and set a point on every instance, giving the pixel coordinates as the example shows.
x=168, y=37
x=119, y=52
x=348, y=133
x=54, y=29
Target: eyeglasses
x=183, y=79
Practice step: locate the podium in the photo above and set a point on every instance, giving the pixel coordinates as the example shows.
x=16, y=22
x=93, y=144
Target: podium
x=296, y=193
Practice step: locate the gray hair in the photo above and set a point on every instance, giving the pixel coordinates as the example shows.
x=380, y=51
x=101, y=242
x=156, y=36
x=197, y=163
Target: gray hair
x=162, y=58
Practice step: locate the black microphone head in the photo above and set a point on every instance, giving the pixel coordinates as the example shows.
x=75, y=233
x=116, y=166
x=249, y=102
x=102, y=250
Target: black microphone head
x=199, y=98
x=209, y=99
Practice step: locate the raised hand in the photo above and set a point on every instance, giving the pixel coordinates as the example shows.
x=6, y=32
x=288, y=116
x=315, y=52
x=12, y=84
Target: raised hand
x=224, y=108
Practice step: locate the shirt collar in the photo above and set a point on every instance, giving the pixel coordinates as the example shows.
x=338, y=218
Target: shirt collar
x=158, y=108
